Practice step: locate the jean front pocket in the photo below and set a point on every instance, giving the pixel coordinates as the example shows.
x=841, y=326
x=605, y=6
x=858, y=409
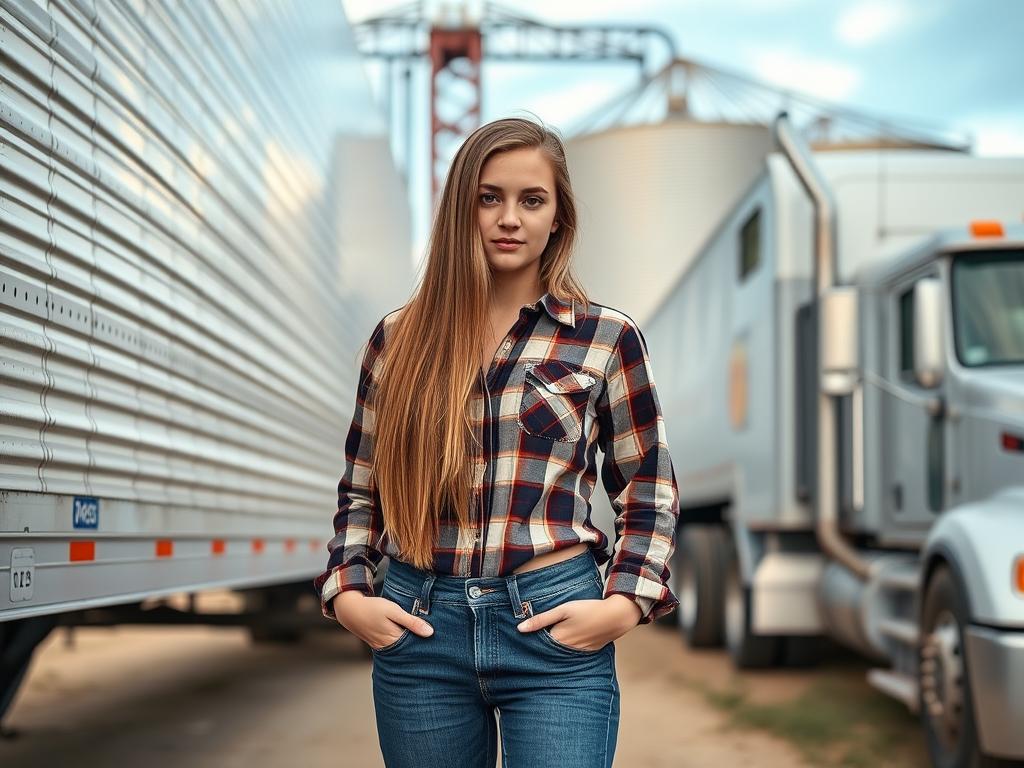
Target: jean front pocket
x=407, y=603
x=592, y=589
x=555, y=398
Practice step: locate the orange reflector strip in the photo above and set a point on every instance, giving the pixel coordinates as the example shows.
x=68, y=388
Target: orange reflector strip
x=164, y=548
x=289, y=545
x=1018, y=568
x=986, y=229
x=82, y=550
x=257, y=545
x=217, y=546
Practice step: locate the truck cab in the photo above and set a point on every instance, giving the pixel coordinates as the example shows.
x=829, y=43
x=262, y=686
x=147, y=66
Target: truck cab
x=951, y=375
x=952, y=446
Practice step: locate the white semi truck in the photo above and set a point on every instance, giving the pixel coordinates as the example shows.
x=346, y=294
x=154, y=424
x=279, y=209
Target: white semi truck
x=842, y=372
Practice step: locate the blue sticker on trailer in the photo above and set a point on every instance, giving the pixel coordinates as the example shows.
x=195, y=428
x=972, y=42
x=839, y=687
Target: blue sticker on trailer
x=85, y=512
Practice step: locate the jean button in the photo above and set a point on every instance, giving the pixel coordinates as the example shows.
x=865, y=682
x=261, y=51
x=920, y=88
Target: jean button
x=474, y=591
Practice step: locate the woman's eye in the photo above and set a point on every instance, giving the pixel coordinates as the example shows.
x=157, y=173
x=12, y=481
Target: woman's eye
x=532, y=201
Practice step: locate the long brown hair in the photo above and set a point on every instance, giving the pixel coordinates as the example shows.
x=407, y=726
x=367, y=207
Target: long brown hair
x=424, y=437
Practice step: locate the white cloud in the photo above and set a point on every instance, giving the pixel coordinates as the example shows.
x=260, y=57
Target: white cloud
x=829, y=80
x=564, y=105
x=870, y=21
x=753, y=5
x=576, y=11
x=582, y=11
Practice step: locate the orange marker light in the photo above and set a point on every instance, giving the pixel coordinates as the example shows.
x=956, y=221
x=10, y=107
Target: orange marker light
x=81, y=550
x=986, y=229
x=1018, y=574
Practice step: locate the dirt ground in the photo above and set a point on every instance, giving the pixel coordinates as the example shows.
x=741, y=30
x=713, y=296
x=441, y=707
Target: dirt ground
x=202, y=696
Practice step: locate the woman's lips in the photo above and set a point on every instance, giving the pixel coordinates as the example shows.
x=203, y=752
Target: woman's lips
x=505, y=245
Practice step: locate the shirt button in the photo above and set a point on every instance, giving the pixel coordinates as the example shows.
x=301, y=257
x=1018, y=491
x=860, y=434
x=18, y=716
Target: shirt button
x=474, y=591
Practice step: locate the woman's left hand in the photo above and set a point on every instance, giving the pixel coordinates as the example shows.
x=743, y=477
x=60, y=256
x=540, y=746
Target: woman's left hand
x=587, y=624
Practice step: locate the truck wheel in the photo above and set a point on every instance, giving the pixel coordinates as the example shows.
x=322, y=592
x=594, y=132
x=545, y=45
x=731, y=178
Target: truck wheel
x=944, y=695
x=699, y=566
x=748, y=651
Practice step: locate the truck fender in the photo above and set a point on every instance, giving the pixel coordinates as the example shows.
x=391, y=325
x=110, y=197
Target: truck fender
x=980, y=542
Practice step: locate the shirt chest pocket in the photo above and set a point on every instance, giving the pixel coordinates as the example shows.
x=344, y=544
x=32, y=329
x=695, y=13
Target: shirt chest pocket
x=555, y=397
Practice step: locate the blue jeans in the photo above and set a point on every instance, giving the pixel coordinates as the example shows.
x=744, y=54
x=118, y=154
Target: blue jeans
x=436, y=697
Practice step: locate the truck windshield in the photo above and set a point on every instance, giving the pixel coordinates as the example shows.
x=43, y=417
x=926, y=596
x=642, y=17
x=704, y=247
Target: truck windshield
x=988, y=307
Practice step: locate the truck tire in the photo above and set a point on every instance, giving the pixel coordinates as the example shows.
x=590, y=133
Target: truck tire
x=748, y=651
x=944, y=692
x=700, y=563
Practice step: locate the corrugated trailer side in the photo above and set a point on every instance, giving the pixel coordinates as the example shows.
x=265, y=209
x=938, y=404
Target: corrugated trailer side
x=179, y=335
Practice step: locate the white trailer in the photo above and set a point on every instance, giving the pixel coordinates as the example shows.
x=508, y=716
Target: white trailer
x=181, y=307
x=842, y=372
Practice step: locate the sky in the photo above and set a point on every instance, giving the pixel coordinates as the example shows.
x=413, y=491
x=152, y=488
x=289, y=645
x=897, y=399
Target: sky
x=953, y=64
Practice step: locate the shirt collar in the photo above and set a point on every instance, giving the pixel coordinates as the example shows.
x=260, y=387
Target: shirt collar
x=565, y=312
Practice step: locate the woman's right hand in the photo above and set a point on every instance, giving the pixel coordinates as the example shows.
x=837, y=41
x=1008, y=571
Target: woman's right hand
x=376, y=621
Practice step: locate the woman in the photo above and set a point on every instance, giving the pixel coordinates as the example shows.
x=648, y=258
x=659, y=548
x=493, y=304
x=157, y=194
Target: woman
x=470, y=462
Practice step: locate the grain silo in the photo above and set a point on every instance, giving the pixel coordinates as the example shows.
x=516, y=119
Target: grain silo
x=653, y=183
x=648, y=197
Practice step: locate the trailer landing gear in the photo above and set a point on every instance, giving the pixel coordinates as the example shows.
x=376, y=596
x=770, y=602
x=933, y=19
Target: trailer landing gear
x=18, y=641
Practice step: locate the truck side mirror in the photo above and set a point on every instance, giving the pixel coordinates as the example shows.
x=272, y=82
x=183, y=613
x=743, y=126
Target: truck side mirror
x=929, y=355
x=838, y=340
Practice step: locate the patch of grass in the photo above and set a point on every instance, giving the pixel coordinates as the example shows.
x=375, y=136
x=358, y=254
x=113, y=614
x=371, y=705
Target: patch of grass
x=835, y=722
x=727, y=700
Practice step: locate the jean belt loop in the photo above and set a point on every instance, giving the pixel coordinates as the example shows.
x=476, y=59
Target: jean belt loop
x=424, y=601
x=518, y=609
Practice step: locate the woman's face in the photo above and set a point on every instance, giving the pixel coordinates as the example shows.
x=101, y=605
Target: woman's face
x=516, y=202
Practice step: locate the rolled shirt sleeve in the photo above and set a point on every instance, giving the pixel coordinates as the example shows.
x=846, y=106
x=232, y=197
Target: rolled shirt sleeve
x=353, y=551
x=638, y=475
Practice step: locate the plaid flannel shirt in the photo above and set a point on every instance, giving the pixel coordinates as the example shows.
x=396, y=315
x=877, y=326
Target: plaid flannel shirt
x=566, y=381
